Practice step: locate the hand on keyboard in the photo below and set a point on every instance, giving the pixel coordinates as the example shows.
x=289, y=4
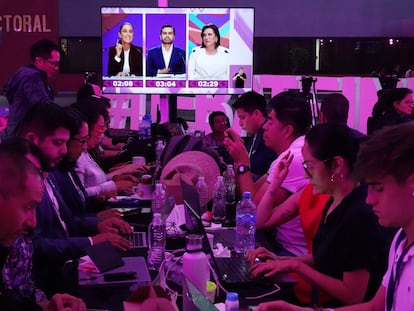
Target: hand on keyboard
x=272, y=267
x=261, y=253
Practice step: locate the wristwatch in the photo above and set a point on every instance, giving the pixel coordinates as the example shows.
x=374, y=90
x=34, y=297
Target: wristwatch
x=241, y=169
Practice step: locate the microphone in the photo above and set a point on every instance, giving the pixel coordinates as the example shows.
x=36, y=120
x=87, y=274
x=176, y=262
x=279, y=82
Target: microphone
x=183, y=60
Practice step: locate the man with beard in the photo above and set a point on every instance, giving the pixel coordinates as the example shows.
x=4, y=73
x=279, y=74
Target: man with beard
x=21, y=190
x=61, y=236
x=166, y=58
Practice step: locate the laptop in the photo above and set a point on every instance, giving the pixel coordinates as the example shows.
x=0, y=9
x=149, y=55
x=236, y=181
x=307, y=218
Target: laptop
x=197, y=297
x=232, y=271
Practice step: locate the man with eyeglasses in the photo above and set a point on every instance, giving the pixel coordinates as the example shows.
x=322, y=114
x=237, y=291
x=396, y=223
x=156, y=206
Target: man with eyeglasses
x=60, y=235
x=21, y=190
x=30, y=84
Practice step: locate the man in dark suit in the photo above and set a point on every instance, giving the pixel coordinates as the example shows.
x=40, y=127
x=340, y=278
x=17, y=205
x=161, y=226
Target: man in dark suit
x=166, y=58
x=60, y=235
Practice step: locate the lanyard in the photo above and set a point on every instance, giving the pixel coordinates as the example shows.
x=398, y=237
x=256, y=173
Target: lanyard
x=398, y=268
x=252, y=150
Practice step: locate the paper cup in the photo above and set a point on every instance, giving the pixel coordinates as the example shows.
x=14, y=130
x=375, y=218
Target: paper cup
x=211, y=291
x=138, y=160
x=143, y=191
x=146, y=179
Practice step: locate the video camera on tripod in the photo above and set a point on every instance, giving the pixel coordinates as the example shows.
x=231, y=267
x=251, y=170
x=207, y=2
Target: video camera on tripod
x=307, y=82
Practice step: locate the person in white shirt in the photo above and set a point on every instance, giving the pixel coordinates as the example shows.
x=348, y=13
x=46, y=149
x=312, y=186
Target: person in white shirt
x=284, y=131
x=210, y=61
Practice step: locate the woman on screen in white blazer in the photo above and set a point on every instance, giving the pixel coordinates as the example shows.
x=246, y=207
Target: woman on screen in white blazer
x=210, y=61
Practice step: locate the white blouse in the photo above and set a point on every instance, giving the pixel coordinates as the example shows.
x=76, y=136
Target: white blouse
x=94, y=179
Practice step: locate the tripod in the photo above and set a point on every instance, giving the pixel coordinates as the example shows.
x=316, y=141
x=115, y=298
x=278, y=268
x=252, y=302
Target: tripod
x=308, y=82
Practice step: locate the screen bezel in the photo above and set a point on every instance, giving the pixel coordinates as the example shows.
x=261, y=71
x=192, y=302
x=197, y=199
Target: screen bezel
x=241, y=19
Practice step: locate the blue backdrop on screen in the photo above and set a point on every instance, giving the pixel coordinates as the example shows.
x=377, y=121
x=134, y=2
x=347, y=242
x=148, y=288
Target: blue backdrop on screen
x=110, y=29
x=154, y=23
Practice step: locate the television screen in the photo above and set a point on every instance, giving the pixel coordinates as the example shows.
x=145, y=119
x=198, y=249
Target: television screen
x=177, y=50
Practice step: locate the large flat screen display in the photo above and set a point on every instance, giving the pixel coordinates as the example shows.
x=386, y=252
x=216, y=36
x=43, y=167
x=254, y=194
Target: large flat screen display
x=177, y=50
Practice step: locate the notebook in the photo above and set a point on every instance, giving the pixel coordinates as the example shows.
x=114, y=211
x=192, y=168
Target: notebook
x=131, y=264
x=105, y=256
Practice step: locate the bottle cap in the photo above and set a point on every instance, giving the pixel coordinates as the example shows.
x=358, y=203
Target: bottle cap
x=201, y=178
x=247, y=195
x=194, y=242
x=232, y=296
x=220, y=178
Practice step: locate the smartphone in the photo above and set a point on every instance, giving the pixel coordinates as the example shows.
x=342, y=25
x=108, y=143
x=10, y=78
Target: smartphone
x=120, y=276
x=230, y=136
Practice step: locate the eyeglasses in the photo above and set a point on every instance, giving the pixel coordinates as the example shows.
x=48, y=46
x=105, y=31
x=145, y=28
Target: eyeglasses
x=308, y=166
x=81, y=140
x=54, y=64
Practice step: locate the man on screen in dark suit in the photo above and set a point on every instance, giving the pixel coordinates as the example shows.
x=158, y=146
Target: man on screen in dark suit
x=166, y=58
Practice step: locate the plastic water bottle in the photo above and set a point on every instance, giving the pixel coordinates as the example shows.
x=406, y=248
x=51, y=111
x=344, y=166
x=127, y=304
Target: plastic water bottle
x=230, y=183
x=219, y=201
x=144, y=128
x=157, y=240
x=195, y=268
x=158, y=199
x=202, y=190
x=232, y=302
x=245, y=224
x=159, y=149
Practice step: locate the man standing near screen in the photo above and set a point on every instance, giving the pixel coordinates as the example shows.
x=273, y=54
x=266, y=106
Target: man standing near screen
x=166, y=58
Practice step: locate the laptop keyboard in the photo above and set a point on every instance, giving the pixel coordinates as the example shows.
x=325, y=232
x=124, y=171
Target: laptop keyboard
x=138, y=239
x=234, y=269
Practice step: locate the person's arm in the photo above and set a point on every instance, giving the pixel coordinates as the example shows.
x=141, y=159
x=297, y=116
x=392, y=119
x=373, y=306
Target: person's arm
x=36, y=91
x=131, y=168
x=96, y=190
x=274, y=206
x=375, y=304
x=350, y=290
x=238, y=152
x=192, y=65
x=269, y=216
x=114, y=62
x=63, y=302
x=151, y=69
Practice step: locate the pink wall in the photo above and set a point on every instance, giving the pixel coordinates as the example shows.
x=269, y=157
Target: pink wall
x=361, y=93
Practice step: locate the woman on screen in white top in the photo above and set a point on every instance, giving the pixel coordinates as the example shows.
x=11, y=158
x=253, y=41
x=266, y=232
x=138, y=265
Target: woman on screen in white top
x=210, y=61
